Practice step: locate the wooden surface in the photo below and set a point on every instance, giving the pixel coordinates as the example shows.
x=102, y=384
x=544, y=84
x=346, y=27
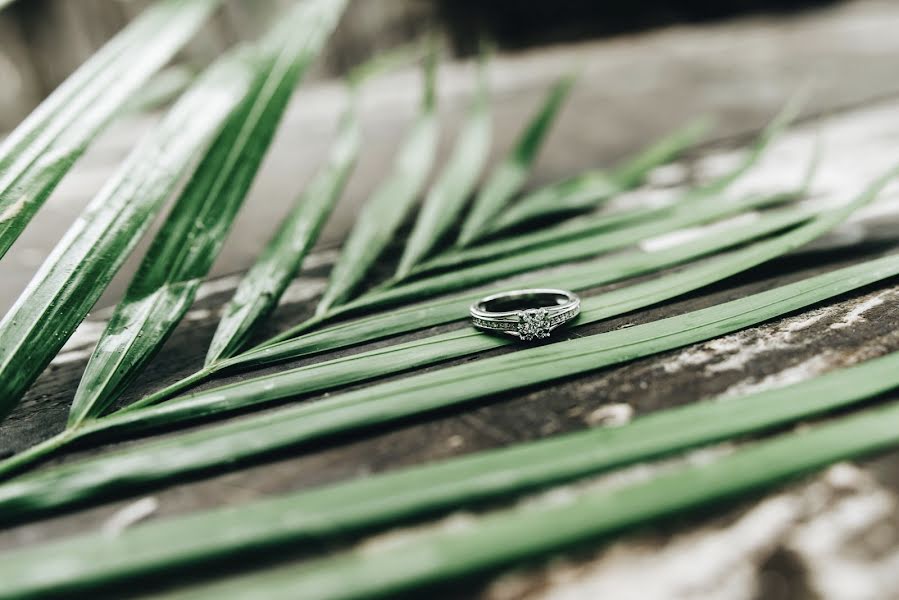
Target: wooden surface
x=834, y=535
x=632, y=90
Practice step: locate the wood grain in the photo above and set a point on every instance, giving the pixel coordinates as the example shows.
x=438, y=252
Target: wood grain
x=805, y=541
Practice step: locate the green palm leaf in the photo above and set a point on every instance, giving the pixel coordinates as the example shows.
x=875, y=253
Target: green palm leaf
x=185, y=248
x=591, y=189
x=74, y=276
x=340, y=372
x=419, y=316
x=262, y=287
x=419, y=353
x=393, y=200
x=36, y=156
x=557, y=254
x=693, y=200
x=227, y=445
x=430, y=350
x=447, y=197
x=542, y=528
x=265, y=282
x=365, y=503
x=444, y=283
x=593, y=274
x=509, y=177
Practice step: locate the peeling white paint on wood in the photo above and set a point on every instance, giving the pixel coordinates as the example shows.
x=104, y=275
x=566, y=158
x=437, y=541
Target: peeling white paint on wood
x=857, y=314
x=734, y=352
x=826, y=524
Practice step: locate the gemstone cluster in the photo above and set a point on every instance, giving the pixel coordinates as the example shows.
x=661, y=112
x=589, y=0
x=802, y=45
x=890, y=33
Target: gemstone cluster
x=533, y=323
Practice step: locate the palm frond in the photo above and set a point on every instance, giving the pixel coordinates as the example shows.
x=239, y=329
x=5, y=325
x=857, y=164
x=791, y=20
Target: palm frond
x=74, y=276
x=36, y=156
x=446, y=198
x=510, y=175
x=417, y=316
x=227, y=445
x=265, y=282
x=426, y=351
x=339, y=372
x=559, y=253
x=693, y=200
x=370, y=502
x=591, y=189
x=184, y=250
x=543, y=527
x=392, y=202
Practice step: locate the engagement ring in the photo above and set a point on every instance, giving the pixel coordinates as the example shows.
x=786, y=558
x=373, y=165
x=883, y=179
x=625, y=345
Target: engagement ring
x=526, y=314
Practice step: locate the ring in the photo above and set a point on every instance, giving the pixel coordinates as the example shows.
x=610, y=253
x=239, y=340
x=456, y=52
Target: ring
x=525, y=314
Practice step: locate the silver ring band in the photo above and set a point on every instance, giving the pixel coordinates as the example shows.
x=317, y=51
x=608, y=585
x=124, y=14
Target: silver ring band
x=525, y=314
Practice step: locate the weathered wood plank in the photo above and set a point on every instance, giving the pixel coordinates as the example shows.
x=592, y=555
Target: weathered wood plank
x=807, y=540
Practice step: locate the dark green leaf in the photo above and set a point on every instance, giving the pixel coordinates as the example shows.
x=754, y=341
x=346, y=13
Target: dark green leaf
x=593, y=274
x=74, y=276
x=368, y=502
x=560, y=253
x=455, y=308
x=36, y=156
x=540, y=528
x=228, y=445
x=265, y=282
x=185, y=248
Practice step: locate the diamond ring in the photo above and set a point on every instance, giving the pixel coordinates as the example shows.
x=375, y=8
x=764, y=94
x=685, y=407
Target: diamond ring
x=525, y=314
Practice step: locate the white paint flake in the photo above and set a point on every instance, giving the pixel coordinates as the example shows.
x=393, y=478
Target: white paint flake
x=857, y=314
x=130, y=515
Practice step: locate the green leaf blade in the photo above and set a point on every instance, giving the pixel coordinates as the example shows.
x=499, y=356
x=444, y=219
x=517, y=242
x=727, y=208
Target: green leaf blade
x=330, y=374
x=518, y=535
x=185, y=248
x=391, y=202
x=509, y=177
x=595, y=273
x=231, y=443
x=323, y=376
x=366, y=503
x=446, y=198
x=591, y=189
x=693, y=200
x=560, y=253
x=264, y=284
x=35, y=157
x=81, y=266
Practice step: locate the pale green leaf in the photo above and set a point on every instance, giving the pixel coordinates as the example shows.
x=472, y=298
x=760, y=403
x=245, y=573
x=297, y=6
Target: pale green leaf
x=511, y=174
x=391, y=202
x=694, y=199
x=447, y=196
x=591, y=189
